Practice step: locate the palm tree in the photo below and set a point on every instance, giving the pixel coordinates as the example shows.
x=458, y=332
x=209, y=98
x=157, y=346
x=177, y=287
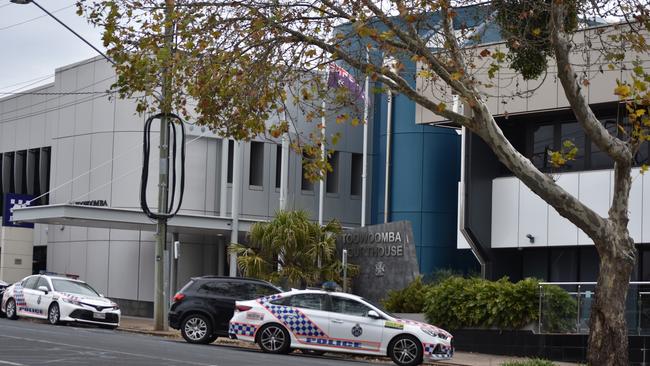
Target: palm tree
x=291, y=250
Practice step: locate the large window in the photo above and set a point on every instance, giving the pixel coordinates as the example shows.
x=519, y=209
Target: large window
x=355, y=174
x=231, y=151
x=278, y=166
x=305, y=184
x=349, y=307
x=256, y=176
x=332, y=183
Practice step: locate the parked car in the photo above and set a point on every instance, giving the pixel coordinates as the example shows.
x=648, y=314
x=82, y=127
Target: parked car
x=3, y=286
x=204, y=306
x=327, y=321
x=59, y=299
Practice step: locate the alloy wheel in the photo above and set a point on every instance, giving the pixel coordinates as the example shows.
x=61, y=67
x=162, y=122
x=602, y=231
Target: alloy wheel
x=11, y=309
x=53, y=314
x=196, y=329
x=273, y=338
x=405, y=351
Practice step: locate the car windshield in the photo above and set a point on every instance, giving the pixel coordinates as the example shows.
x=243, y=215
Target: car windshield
x=73, y=287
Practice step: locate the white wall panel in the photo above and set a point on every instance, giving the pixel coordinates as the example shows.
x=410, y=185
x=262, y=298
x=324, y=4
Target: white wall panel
x=594, y=191
x=505, y=212
x=77, y=262
x=645, y=225
x=195, y=175
x=146, y=269
x=533, y=218
x=97, y=263
x=124, y=257
x=560, y=230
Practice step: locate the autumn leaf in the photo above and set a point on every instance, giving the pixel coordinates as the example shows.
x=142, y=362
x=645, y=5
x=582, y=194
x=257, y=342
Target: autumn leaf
x=622, y=90
x=441, y=107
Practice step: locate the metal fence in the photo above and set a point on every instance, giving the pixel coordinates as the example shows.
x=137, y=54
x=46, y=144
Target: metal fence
x=557, y=315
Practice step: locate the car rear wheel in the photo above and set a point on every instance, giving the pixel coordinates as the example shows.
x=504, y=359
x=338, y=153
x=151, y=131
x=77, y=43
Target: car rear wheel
x=273, y=338
x=10, y=309
x=54, y=314
x=196, y=328
x=405, y=350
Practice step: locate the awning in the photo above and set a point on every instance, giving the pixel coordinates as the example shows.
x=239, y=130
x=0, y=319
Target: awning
x=126, y=219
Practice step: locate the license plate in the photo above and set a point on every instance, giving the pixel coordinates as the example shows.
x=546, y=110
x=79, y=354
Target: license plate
x=99, y=315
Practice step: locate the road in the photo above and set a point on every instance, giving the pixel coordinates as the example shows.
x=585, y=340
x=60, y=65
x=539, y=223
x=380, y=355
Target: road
x=30, y=343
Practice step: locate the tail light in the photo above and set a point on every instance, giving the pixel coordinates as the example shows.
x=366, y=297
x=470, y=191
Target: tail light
x=178, y=297
x=243, y=307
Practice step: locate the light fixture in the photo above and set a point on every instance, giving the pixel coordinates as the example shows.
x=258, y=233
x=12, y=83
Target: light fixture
x=21, y=2
x=531, y=238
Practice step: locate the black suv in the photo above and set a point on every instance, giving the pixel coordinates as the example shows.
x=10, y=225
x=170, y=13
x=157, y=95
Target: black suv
x=204, y=306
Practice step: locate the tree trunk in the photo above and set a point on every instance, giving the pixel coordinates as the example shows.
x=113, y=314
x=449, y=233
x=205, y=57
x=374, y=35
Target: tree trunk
x=608, y=343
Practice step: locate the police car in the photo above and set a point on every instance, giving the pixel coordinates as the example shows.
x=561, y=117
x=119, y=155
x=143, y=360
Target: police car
x=59, y=299
x=327, y=321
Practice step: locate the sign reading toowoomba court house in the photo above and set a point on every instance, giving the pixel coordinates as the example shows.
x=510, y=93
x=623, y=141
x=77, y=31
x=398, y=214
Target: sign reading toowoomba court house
x=385, y=255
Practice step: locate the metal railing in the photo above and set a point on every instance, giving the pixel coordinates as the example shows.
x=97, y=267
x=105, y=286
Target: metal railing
x=557, y=314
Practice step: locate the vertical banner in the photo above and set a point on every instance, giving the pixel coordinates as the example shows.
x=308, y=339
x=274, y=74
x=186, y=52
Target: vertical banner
x=11, y=201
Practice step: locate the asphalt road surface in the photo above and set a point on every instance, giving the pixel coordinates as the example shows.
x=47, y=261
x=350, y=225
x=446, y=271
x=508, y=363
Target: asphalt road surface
x=29, y=343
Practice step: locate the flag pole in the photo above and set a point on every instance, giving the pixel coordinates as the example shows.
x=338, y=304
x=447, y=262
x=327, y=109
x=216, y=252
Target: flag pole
x=364, y=174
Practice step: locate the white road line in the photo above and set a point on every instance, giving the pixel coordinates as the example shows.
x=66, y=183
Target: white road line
x=106, y=350
x=10, y=363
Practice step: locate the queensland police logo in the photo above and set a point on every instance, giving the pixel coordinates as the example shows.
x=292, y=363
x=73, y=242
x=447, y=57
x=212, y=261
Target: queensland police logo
x=357, y=331
x=380, y=269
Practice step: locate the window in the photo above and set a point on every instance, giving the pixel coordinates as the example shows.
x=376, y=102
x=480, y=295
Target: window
x=73, y=287
x=575, y=133
x=256, y=169
x=543, y=141
x=332, y=183
x=257, y=290
x=231, y=151
x=217, y=288
x=308, y=301
x=278, y=165
x=30, y=282
x=306, y=184
x=349, y=307
x=355, y=174
x=43, y=282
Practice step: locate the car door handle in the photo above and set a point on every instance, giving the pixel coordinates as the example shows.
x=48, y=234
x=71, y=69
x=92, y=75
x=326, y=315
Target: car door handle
x=337, y=321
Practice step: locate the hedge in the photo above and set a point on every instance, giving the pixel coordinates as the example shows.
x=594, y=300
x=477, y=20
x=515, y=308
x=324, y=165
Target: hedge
x=457, y=302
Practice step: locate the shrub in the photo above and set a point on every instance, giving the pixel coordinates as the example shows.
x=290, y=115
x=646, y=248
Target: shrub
x=458, y=302
x=410, y=299
x=531, y=362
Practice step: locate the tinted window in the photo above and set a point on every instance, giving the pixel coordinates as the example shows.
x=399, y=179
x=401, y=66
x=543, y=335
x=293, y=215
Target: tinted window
x=308, y=301
x=217, y=288
x=543, y=141
x=43, y=282
x=576, y=134
x=257, y=290
x=349, y=307
x=30, y=282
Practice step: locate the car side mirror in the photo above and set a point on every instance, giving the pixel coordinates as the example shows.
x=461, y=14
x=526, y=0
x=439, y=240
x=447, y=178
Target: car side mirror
x=44, y=289
x=373, y=314
x=101, y=295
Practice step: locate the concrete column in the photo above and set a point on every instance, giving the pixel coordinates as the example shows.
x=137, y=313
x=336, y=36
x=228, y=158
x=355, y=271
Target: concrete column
x=16, y=253
x=221, y=256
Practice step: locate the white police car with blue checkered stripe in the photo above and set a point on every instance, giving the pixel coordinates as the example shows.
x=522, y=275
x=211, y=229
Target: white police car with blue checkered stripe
x=328, y=321
x=59, y=299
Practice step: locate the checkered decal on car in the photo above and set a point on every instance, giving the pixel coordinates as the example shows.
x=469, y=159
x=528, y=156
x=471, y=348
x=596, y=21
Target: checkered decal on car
x=295, y=320
x=242, y=329
x=428, y=348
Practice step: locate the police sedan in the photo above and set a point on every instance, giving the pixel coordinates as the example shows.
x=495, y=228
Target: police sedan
x=59, y=299
x=326, y=321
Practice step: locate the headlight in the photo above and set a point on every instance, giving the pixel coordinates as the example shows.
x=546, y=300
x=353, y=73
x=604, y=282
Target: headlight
x=71, y=301
x=433, y=333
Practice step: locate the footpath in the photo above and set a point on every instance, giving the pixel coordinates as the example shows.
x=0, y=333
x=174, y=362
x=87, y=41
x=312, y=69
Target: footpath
x=145, y=326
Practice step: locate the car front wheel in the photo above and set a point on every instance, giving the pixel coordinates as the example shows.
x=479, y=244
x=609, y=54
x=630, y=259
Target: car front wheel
x=406, y=350
x=273, y=338
x=197, y=328
x=10, y=309
x=54, y=314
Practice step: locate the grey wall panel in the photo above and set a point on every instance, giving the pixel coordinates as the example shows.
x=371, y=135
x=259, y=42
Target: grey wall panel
x=97, y=263
x=44, y=172
x=146, y=270
x=7, y=172
x=37, y=121
x=212, y=170
x=95, y=234
x=123, y=235
x=19, y=174
x=77, y=262
x=210, y=258
x=81, y=166
x=195, y=176
x=60, y=257
x=66, y=81
x=126, y=170
x=254, y=198
x=84, y=106
x=124, y=257
x=8, y=125
x=31, y=171
x=126, y=117
x=101, y=154
x=63, y=170
x=22, y=124
x=190, y=264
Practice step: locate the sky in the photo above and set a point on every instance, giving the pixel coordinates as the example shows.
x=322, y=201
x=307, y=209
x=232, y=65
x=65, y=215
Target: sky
x=33, y=45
